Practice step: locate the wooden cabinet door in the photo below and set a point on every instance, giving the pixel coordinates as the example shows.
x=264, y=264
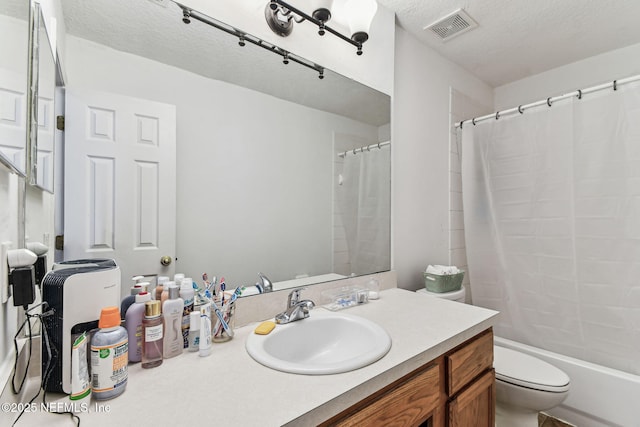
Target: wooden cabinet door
x=475, y=405
x=411, y=401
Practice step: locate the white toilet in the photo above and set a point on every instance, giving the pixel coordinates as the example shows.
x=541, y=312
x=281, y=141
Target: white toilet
x=525, y=385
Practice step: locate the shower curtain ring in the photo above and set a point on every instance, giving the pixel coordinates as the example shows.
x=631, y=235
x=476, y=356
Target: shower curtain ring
x=520, y=110
x=615, y=85
x=497, y=115
x=379, y=146
x=473, y=121
x=579, y=94
x=549, y=101
x=354, y=151
x=461, y=123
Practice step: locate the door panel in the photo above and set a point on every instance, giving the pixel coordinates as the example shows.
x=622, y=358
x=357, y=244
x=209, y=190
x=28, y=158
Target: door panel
x=120, y=181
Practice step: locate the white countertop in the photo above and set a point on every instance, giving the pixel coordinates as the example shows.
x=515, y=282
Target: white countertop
x=228, y=388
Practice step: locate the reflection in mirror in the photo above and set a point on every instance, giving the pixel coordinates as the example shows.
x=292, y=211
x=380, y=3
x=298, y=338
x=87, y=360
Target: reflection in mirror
x=45, y=115
x=14, y=57
x=260, y=185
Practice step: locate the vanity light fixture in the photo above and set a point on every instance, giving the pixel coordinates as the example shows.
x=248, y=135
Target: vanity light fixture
x=244, y=38
x=281, y=15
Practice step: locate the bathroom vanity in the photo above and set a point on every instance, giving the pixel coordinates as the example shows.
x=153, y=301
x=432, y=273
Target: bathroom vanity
x=438, y=370
x=456, y=389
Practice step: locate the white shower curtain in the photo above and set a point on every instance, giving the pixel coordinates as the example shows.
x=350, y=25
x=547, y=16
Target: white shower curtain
x=552, y=225
x=365, y=207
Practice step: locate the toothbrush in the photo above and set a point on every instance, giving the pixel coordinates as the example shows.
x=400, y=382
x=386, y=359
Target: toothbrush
x=205, y=280
x=218, y=286
x=225, y=325
x=211, y=285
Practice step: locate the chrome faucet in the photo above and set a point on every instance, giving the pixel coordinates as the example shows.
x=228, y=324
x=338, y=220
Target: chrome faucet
x=265, y=283
x=296, y=309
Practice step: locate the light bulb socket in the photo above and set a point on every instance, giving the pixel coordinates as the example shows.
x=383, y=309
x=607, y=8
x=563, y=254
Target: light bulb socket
x=186, y=16
x=360, y=37
x=323, y=15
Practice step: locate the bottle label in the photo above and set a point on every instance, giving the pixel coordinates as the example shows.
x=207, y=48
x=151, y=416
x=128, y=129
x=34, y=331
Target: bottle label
x=109, y=366
x=153, y=333
x=186, y=322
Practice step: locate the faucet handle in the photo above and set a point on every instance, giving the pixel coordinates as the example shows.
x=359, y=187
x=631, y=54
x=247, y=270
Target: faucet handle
x=294, y=296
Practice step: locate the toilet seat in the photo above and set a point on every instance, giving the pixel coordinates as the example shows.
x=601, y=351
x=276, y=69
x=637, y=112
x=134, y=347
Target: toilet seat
x=523, y=370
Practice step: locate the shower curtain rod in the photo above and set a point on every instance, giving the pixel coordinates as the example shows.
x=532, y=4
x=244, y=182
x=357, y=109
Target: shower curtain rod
x=366, y=147
x=549, y=101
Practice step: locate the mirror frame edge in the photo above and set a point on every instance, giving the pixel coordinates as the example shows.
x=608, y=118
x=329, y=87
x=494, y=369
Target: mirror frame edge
x=32, y=105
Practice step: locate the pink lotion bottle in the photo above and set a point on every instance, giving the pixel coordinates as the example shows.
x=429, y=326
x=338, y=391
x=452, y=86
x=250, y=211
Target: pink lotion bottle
x=153, y=334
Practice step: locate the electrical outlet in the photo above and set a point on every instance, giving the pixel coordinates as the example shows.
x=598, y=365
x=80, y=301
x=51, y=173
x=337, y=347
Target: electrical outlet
x=4, y=271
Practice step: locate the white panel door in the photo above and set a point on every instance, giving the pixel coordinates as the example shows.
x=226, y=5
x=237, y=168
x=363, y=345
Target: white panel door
x=120, y=182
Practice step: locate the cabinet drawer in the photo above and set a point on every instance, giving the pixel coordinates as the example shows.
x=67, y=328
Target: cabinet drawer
x=409, y=403
x=469, y=361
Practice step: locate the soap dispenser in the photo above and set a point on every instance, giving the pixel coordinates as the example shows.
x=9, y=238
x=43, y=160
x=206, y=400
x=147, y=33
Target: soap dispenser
x=133, y=324
x=130, y=299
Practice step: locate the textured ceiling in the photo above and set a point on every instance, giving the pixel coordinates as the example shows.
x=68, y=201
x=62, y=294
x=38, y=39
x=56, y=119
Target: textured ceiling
x=519, y=38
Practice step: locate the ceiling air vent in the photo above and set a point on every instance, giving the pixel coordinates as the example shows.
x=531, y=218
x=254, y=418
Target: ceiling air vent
x=452, y=25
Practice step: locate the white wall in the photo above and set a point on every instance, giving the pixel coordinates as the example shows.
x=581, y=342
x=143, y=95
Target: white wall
x=609, y=66
x=374, y=67
x=8, y=232
x=420, y=154
x=243, y=159
x=38, y=221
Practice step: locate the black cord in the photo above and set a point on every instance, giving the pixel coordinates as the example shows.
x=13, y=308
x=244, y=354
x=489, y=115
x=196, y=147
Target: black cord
x=47, y=371
x=27, y=321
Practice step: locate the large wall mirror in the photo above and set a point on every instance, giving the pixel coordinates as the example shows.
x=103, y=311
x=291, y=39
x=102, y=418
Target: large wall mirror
x=260, y=186
x=43, y=110
x=14, y=60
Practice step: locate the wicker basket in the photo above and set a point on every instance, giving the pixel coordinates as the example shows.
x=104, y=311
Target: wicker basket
x=444, y=283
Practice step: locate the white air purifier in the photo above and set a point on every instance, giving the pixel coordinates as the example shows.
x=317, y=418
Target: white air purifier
x=76, y=292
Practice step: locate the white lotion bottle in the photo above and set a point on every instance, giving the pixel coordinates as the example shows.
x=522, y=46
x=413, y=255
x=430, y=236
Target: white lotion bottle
x=172, y=312
x=204, y=346
x=194, y=331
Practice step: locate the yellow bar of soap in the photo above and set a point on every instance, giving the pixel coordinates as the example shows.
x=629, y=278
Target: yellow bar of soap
x=264, y=328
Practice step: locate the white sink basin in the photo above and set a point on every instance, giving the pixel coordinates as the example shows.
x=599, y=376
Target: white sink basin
x=324, y=343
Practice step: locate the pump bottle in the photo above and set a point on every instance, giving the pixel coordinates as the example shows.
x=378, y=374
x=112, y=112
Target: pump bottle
x=133, y=324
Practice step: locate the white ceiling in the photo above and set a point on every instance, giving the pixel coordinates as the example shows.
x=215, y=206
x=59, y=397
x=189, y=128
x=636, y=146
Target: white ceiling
x=519, y=38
